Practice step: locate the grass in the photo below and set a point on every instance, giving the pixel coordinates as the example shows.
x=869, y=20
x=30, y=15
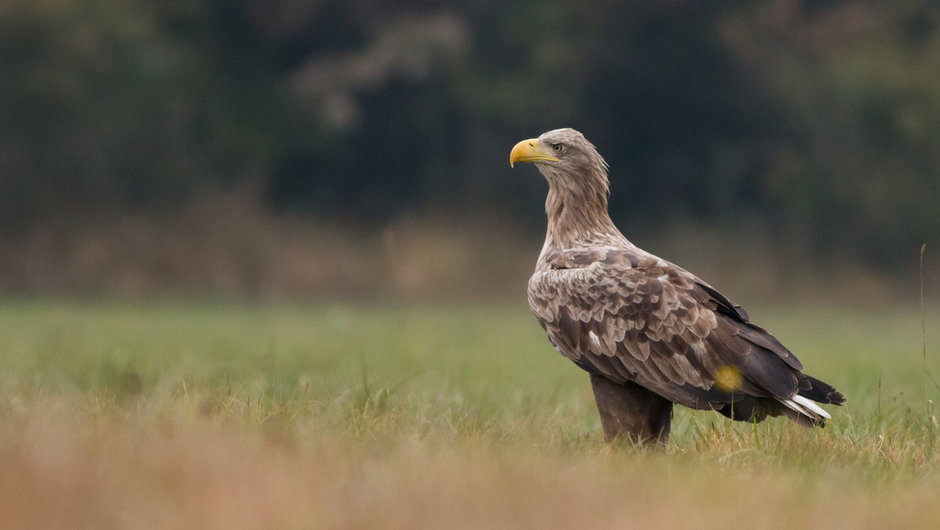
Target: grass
x=428, y=416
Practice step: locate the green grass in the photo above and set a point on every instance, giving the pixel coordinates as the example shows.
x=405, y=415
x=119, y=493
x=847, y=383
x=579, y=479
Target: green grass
x=363, y=416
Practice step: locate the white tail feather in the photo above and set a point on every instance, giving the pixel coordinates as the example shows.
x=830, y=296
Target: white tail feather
x=811, y=405
x=793, y=406
x=806, y=407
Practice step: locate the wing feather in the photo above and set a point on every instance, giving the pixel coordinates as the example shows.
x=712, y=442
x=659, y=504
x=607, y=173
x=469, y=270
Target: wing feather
x=630, y=316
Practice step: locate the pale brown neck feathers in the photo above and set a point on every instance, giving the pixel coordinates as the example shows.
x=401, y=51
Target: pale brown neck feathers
x=577, y=210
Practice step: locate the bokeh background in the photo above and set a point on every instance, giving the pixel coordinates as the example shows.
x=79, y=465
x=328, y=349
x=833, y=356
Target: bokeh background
x=358, y=149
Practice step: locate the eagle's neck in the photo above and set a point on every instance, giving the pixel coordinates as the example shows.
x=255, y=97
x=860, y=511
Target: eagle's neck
x=577, y=212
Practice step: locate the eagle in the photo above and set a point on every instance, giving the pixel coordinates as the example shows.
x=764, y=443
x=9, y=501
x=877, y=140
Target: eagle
x=648, y=332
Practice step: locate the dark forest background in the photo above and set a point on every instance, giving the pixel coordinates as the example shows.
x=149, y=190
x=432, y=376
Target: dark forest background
x=348, y=148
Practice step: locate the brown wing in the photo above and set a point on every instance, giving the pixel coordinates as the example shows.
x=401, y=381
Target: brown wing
x=630, y=316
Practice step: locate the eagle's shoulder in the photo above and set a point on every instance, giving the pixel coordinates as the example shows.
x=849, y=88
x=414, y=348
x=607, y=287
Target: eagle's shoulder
x=593, y=281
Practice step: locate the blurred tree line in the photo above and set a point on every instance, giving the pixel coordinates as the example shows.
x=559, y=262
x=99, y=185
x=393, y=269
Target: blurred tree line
x=813, y=122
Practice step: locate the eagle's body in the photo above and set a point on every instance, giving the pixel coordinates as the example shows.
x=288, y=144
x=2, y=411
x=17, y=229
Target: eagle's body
x=649, y=332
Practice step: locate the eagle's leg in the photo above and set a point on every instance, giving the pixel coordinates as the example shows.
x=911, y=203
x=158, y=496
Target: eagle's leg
x=630, y=411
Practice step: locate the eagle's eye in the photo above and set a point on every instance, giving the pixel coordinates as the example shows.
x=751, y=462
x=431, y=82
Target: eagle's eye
x=558, y=148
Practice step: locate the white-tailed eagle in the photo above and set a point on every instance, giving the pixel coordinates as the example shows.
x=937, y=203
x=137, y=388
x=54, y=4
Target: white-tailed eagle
x=648, y=332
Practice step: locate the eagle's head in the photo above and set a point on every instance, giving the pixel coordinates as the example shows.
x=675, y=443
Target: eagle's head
x=566, y=158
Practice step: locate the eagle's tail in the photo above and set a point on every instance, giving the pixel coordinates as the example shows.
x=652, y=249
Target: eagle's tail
x=803, y=404
x=807, y=412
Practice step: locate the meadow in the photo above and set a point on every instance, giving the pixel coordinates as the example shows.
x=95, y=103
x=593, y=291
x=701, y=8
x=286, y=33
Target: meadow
x=331, y=415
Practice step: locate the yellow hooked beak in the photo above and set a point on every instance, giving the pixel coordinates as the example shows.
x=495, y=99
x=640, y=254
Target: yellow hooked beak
x=529, y=151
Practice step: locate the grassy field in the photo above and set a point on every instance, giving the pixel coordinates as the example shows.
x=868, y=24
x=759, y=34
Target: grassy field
x=430, y=416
